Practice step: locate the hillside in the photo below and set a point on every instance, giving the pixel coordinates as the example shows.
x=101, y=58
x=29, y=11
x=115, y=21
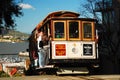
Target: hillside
x=15, y=36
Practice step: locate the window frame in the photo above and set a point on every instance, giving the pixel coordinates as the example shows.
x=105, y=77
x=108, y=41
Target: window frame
x=54, y=30
x=92, y=31
x=79, y=28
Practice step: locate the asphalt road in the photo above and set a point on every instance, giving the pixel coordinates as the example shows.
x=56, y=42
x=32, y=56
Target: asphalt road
x=65, y=77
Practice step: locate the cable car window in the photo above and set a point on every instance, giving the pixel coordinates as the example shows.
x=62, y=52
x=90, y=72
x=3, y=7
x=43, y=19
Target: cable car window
x=59, y=29
x=73, y=30
x=87, y=28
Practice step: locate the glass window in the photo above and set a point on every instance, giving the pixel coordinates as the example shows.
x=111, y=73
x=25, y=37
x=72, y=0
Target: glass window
x=87, y=30
x=73, y=30
x=59, y=29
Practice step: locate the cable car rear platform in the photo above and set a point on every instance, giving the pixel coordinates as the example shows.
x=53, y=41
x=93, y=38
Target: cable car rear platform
x=68, y=67
x=63, y=70
x=51, y=69
x=48, y=69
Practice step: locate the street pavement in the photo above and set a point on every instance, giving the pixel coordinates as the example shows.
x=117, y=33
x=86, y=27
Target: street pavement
x=65, y=77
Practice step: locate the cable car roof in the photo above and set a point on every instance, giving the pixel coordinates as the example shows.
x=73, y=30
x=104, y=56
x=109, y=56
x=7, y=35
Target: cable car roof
x=58, y=14
x=63, y=14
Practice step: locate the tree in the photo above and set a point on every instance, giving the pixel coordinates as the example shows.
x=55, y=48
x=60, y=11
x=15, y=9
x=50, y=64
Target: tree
x=88, y=10
x=9, y=9
x=109, y=38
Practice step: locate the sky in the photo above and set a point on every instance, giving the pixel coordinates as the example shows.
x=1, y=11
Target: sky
x=34, y=11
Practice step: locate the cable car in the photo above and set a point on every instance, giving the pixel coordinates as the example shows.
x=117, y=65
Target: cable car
x=73, y=42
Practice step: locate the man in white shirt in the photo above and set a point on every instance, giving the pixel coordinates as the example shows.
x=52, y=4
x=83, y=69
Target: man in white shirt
x=41, y=52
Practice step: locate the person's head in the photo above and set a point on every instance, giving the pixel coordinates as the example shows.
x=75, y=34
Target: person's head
x=40, y=33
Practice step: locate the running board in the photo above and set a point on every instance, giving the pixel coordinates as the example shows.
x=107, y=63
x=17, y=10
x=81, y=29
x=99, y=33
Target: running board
x=73, y=70
x=46, y=66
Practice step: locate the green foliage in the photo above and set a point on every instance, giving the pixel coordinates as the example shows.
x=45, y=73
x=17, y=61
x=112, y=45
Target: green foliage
x=8, y=10
x=3, y=74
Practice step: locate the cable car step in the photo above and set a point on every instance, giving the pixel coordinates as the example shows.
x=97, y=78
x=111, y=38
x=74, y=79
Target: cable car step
x=46, y=66
x=75, y=70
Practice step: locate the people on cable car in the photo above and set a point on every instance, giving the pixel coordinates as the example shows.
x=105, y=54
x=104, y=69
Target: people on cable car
x=43, y=48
